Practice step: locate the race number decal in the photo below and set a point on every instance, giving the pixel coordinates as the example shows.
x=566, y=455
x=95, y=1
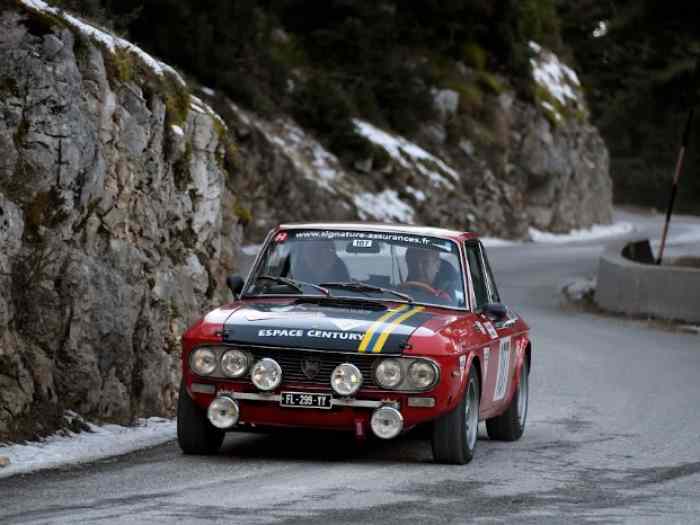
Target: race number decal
x=362, y=243
x=503, y=367
x=491, y=330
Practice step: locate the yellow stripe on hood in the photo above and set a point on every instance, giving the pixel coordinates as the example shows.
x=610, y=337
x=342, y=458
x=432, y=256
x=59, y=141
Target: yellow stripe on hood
x=378, y=324
x=379, y=345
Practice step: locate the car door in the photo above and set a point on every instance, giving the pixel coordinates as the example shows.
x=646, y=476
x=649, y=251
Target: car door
x=505, y=330
x=480, y=297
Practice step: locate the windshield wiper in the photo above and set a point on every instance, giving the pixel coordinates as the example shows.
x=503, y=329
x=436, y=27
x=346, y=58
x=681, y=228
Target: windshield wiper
x=297, y=285
x=362, y=287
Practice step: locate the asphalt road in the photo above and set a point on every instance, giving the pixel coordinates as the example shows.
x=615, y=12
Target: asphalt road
x=613, y=436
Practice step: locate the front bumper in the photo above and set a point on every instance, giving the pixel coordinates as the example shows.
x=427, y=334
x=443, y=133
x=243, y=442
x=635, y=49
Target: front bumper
x=261, y=410
x=335, y=402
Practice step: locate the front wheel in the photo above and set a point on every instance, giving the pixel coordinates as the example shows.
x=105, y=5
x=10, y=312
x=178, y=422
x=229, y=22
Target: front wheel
x=455, y=433
x=510, y=425
x=195, y=434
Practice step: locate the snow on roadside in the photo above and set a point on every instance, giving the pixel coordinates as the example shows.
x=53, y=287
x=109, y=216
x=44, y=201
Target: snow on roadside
x=597, y=231
x=688, y=237
x=409, y=155
x=111, y=42
x=251, y=249
x=102, y=442
x=490, y=242
x=580, y=288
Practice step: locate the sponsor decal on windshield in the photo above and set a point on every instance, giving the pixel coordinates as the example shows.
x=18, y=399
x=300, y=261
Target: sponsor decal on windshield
x=379, y=236
x=366, y=239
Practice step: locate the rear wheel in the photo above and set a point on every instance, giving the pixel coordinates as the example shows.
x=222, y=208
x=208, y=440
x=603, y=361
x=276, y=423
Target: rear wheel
x=195, y=434
x=455, y=433
x=510, y=425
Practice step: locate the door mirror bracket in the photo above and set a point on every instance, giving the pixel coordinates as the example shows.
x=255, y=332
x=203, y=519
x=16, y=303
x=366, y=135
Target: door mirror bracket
x=496, y=312
x=235, y=284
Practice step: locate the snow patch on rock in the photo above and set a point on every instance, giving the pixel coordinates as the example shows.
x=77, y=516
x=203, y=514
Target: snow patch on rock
x=200, y=106
x=111, y=42
x=308, y=155
x=409, y=155
x=560, y=81
x=384, y=206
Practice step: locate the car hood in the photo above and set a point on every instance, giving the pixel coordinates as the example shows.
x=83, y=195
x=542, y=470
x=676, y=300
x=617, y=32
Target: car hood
x=348, y=327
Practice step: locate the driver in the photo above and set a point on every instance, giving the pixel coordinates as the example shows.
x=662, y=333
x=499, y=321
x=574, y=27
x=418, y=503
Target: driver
x=317, y=262
x=425, y=267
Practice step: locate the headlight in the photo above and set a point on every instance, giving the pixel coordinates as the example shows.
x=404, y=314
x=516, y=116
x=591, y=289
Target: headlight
x=388, y=373
x=223, y=412
x=346, y=379
x=234, y=363
x=266, y=374
x=421, y=375
x=386, y=422
x=203, y=361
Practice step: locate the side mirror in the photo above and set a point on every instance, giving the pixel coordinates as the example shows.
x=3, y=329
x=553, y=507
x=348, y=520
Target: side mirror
x=495, y=311
x=235, y=284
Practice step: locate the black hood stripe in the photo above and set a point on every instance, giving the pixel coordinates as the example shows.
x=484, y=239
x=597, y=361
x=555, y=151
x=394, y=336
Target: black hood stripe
x=323, y=327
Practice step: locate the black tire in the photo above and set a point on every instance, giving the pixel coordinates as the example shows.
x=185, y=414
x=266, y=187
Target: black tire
x=195, y=434
x=510, y=425
x=455, y=433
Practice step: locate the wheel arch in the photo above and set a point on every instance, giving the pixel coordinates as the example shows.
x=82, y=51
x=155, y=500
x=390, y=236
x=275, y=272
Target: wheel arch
x=528, y=355
x=474, y=362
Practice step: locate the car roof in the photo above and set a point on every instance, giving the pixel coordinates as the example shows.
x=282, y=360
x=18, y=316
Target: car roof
x=381, y=227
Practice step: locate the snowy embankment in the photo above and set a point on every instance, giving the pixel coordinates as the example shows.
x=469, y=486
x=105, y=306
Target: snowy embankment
x=596, y=232
x=100, y=442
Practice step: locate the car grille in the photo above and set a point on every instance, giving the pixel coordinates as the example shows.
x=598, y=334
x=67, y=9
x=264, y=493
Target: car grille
x=292, y=361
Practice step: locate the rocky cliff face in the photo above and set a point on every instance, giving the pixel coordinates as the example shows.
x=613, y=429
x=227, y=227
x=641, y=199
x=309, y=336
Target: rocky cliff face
x=122, y=200
x=115, y=225
x=515, y=165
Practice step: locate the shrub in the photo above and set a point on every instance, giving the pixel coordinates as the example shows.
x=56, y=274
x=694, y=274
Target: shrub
x=474, y=56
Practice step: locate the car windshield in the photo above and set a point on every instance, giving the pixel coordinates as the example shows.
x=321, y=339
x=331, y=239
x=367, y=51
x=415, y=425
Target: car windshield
x=361, y=264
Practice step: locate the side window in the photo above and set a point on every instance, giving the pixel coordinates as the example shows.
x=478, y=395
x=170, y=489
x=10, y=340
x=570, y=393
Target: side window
x=477, y=274
x=494, y=296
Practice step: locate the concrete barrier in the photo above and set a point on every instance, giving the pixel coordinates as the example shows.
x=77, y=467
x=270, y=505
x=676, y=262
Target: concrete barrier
x=666, y=292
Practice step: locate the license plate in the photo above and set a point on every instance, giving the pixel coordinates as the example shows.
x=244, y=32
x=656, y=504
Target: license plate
x=305, y=400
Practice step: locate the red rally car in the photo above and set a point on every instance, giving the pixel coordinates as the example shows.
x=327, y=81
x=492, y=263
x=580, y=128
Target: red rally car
x=364, y=328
